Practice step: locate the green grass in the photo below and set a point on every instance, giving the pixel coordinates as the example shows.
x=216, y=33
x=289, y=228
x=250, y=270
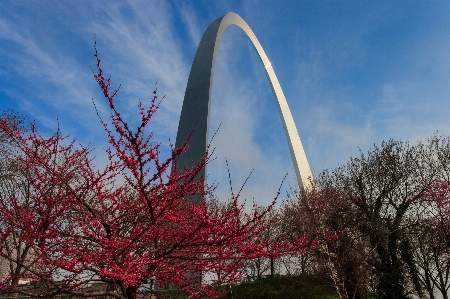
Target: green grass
x=285, y=287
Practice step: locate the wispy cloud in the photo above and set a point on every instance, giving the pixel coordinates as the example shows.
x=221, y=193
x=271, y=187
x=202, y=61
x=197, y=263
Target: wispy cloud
x=137, y=47
x=144, y=51
x=190, y=19
x=47, y=72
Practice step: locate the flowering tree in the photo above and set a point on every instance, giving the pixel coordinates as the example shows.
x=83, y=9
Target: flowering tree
x=432, y=243
x=72, y=227
x=439, y=194
x=315, y=213
x=34, y=172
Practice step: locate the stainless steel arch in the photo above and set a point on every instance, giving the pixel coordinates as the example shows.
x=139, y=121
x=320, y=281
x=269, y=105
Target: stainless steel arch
x=196, y=105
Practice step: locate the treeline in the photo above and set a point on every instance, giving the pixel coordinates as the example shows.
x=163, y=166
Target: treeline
x=377, y=227
x=390, y=208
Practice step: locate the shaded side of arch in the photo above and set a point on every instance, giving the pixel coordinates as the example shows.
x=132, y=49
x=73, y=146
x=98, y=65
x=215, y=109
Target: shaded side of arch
x=194, y=117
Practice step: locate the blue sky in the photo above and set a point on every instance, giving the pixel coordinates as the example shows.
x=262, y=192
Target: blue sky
x=354, y=73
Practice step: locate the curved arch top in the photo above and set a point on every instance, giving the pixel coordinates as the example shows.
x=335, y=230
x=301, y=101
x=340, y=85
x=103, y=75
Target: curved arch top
x=194, y=117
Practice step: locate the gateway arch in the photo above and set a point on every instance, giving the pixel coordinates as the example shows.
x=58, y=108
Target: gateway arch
x=194, y=117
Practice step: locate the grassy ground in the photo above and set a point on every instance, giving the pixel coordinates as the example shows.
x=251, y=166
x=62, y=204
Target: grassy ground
x=279, y=287
x=285, y=287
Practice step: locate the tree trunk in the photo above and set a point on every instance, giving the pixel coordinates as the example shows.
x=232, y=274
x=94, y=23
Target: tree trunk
x=131, y=292
x=272, y=266
x=258, y=269
x=392, y=276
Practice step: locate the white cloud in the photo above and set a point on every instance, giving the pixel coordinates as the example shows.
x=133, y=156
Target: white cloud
x=144, y=51
x=53, y=80
x=190, y=19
